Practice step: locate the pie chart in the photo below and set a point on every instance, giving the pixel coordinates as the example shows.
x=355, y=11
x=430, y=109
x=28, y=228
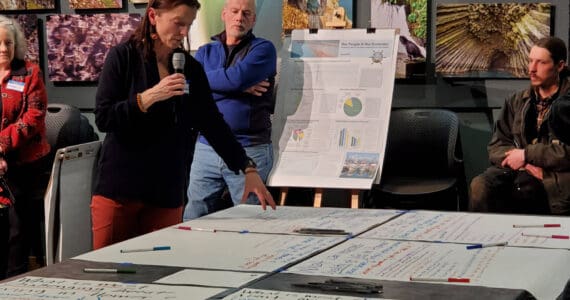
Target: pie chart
x=352, y=106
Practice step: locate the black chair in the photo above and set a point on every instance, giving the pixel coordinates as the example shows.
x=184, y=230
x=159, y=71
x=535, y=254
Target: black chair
x=66, y=126
x=423, y=165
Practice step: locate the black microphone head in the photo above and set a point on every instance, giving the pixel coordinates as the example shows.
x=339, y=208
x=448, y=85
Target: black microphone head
x=178, y=61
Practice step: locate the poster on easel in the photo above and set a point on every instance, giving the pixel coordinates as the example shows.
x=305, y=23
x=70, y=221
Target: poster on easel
x=333, y=108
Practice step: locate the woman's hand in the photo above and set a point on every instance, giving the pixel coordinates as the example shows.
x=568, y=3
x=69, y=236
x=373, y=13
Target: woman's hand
x=169, y=86
x=254, y=184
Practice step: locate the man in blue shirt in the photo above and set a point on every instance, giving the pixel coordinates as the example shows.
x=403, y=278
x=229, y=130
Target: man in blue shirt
x=241, y=71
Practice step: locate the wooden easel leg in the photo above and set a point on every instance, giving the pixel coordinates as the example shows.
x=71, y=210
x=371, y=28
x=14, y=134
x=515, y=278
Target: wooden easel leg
x=318, y=198
x=354, y=198
x=283, y=195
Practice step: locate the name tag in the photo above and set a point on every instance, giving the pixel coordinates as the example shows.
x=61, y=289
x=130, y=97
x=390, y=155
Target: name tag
x=187, y=87
x=15, y=85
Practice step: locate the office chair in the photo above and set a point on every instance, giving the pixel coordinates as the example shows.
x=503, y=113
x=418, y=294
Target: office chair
x=423, y=166
x=65, y=126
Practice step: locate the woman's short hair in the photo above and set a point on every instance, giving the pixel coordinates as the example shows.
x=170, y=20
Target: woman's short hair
x=20, y=42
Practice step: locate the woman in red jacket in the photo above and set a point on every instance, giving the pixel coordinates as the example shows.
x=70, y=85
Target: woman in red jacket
x=23, y=146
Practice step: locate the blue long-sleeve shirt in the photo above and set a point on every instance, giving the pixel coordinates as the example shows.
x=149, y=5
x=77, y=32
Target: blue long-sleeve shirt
x=230, y=72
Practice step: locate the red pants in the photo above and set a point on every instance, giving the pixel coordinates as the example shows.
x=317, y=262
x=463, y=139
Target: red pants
x=115, y=222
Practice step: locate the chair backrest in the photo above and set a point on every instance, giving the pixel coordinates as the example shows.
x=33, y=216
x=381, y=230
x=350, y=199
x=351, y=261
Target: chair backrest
x=66, y=203
x=422, y=141
x=66, y=126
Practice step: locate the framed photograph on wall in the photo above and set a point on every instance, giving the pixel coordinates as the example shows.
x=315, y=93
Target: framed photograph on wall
x=78, y=44
x=29, y=24
x=490, y=40
x=95, y=4
x=26, y=4
x=317, y=14
x=410, y=16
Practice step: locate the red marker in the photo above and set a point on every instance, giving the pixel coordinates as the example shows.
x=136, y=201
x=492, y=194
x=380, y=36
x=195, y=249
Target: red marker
x=535, y=225
x=196, y=228
x=553, y=236
x=440, y=279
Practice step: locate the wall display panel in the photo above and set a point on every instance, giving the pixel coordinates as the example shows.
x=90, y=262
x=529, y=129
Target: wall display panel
x=488, y=40
x=29, y=24
x=320, y=14
x=26, y=4
x=95, y=4
x=410, y=16
x=208, y=23
x=78, y=44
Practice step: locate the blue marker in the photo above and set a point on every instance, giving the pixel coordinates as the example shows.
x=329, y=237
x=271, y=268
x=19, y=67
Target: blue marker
x=157, y=248
x=479, y=246
x=244, y=231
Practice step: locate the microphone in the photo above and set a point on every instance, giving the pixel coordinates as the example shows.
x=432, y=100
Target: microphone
x=178, y=61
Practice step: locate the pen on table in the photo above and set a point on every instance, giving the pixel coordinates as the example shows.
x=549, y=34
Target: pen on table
x=157, y=248
x=196, y=228
x=550, y=236
x=535, y=225
x=478, y=246
x=119, y=271
x=320, y=231
x=350, y=287
x=440, y=279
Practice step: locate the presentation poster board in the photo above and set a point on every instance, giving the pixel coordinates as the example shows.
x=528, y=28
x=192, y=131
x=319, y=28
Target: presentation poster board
x=333, y=108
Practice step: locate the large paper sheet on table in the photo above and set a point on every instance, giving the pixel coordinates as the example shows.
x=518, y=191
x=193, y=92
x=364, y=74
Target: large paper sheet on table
x=542, y=272
x=286, y=219
x=31, y=287
x=335, y=96
x=476, y=228
x=214, y=278
x=258, y=294
x=214, y=250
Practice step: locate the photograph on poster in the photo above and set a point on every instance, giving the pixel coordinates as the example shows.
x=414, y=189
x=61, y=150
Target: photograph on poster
x=26, y=4
x=95, y=4
x=78, y=44
x=488, y=40
x=317, y=14
x=29, y=24
x=410, y=16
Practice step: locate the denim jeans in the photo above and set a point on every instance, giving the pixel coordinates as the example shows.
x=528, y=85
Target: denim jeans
x=209, y=176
